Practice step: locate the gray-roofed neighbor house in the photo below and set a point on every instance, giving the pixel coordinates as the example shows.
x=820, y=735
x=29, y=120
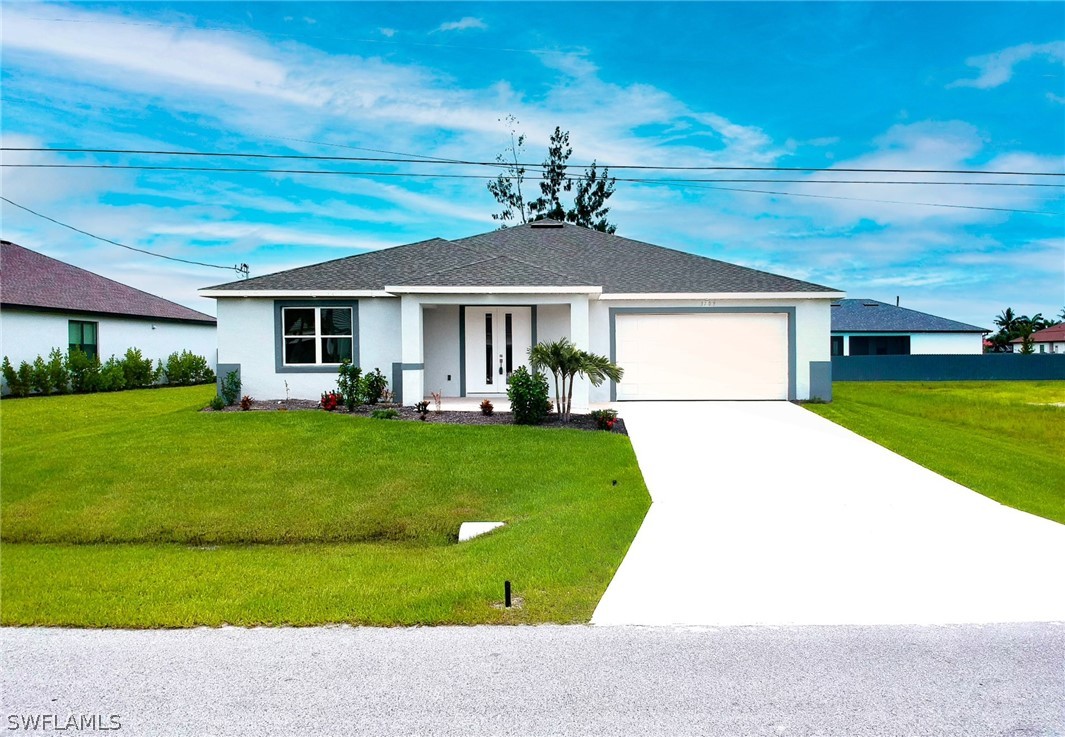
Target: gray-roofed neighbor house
x=459, y=316
x=868, y=327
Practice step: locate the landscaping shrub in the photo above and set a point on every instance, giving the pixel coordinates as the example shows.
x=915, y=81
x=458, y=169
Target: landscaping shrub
x=422, y=408
x=487, y=408
x=84, y=371
x=330, y=401
x=384, y=414
x=19, y=382
x=374, y=385
x=57, y=372
x=605, y=419
x=349, y=383
x=217, y=403
x=41, y=379
x=186, y=368
x=528, y=394
x=138, y=370
x=111, y=378
x=79, y=372
x=230, y=388
x=245, y=403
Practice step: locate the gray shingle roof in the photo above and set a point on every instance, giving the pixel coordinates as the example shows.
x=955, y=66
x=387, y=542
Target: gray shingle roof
x=536, y=254
x=870, y=316
x=33, y=280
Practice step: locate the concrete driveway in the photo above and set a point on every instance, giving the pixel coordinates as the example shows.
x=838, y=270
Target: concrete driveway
x=765, y=513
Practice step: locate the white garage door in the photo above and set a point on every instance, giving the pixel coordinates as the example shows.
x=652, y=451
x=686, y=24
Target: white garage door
x=703, y=356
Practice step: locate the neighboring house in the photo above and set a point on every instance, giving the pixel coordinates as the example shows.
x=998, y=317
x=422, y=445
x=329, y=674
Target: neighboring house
x=1047, y=340
x=457, y=317
x=865, y=327
x=47, y=304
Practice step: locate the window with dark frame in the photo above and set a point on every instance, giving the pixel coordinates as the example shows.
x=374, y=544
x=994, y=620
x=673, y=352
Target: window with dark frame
x=837, y=345
x=83, y=336
x=317, y=336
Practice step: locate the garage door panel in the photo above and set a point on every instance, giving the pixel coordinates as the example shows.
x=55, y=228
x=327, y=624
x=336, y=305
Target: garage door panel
x=703, y=356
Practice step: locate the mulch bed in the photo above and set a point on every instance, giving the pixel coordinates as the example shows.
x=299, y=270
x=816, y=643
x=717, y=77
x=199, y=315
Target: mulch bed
x=447, y=417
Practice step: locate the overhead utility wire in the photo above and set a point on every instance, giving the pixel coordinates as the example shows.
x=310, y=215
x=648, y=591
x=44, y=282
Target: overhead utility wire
x=431, y=160
x=685, y=183
x=421, y=175
x=883, y=202
x=242, y=269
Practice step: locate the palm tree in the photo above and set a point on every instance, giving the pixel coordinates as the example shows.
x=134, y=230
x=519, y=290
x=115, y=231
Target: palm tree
x=566, y=362
x=558, y=358
x=1007, y=320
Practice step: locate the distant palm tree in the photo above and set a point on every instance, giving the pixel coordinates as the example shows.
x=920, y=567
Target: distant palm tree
x=1007, y=320
x=566, y=362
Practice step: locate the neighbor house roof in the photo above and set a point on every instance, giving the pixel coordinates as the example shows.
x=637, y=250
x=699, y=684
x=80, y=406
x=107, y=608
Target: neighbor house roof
x=546, y=254
x=1053, y=334
x=870, y=316
x=34, y=281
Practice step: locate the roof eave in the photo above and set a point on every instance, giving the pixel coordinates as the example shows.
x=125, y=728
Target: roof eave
x=298, y=293
x=721, y=295
x=428, y=289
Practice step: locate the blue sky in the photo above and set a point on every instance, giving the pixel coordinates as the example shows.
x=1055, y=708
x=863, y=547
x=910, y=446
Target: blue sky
x=898, y=86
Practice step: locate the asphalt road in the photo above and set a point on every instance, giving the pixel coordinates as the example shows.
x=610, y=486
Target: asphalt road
x=970, y=680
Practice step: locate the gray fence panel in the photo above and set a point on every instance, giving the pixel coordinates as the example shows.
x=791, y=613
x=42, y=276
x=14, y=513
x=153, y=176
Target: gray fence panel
x=976, y=367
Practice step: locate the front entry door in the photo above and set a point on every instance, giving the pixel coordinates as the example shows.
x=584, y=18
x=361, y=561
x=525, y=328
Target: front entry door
x=497, y=342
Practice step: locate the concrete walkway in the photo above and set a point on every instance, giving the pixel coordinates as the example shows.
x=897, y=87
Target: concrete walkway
x=765, y=513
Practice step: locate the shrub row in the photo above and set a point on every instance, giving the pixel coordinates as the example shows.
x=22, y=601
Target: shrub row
x=81, y=373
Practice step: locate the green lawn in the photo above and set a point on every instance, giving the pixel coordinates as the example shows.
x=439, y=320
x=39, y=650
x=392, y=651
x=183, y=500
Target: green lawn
x=135, y=510
x=1003, y=439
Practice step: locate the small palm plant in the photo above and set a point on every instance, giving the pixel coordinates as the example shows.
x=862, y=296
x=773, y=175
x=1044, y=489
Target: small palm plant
x=566, y=362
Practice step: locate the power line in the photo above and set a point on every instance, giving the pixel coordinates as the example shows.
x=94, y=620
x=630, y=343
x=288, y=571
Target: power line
x=884, y=202
x=242, y=269
x=319, y=37
x=692, y=183
x=435, y=175
x=468, y=162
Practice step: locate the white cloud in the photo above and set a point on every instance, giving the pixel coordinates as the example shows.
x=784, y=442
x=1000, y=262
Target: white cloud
x=1059, y=99
x=996, y=69
x=463, y=25
x=388, y=32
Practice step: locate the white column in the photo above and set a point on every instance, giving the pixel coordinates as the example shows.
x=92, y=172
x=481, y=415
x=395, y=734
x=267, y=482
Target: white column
x=411, y=351
x=580, y=334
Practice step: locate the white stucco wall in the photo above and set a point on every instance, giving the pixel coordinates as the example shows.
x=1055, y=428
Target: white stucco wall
x=932, y=344
x=440, y=324
x=25, y=335
x=552, y=323
x=246, y=336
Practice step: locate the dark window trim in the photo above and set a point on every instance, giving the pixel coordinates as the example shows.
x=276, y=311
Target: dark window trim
x=312, y=368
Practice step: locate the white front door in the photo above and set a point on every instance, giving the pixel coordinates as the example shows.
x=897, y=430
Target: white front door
x=497, y=342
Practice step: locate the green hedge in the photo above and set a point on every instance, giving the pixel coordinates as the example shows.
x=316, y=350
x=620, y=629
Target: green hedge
x=81, y=373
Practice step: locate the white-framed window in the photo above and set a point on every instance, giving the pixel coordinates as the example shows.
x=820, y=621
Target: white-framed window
x=316, y=336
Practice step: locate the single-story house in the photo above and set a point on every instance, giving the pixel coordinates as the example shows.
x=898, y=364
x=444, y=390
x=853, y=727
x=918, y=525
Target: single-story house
x=865, y=327
x=1047, y=340
x=457, y=317
x=47, y=304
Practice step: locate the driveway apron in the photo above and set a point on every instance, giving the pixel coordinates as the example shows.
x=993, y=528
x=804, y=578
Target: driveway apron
x=764, y=513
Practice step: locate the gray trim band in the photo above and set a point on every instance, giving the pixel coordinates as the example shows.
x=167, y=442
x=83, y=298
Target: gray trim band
x=789, y=311
x=397, y=378
x=821, y=380
x=220, y=372
x=279, y=339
